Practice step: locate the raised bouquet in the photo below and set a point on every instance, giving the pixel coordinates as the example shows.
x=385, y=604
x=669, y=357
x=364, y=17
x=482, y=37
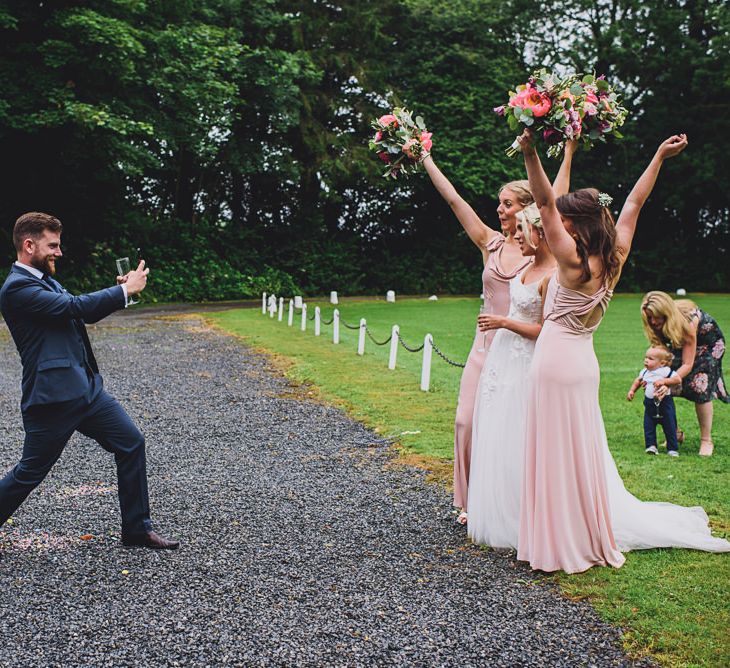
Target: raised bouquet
x=582, y=107
x=400, y=142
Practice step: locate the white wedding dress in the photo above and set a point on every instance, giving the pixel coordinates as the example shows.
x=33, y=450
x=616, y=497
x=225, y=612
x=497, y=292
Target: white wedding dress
x=498, y=443
x=643, y=525
x=498, y=454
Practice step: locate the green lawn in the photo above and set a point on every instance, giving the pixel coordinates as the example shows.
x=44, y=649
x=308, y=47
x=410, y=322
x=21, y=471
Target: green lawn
x=673, y=604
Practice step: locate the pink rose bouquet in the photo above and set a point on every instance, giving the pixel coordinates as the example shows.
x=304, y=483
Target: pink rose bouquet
x=557, y=108
x=400, y=141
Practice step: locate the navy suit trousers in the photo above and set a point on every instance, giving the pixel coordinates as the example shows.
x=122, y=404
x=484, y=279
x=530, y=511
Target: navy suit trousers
x=47, y=430
x=667, y=419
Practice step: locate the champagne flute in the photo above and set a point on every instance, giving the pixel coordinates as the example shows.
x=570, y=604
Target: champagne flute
x=124, y=266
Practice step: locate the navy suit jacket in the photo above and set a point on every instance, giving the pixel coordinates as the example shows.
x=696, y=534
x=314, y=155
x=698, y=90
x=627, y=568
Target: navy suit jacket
x=49, y=332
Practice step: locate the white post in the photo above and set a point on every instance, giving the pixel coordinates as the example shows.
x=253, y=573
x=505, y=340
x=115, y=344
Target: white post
x=336, y=327
x=317, y=320
x=304, y=318
x=393, y=346
x=290, y=322
x=361, y=338
x=272, y=306
x=426, y=368
x=333, y=297
x=281, y=309
x=263, y=303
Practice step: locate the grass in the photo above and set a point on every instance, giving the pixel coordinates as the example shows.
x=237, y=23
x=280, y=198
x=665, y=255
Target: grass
x=672, y=604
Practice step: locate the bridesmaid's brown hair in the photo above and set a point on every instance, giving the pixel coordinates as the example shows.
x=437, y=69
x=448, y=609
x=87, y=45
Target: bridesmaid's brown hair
x=594, y=231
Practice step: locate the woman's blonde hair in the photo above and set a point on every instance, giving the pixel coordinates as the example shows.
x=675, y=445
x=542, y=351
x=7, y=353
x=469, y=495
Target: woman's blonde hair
x=529, y=216
x=676, y=328
x=521, y=189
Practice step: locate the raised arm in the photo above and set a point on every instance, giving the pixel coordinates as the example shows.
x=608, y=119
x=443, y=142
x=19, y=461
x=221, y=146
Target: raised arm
x=477, y=231
x=626, y=225
x=29, y=297
x=561, y=185
x=562, y=245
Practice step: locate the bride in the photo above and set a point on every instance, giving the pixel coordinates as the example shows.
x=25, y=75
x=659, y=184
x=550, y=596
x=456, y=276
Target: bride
x=495, y=481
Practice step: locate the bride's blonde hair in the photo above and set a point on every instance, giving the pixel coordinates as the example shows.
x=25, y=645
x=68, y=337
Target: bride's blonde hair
x=676, y=328
x=530, y=217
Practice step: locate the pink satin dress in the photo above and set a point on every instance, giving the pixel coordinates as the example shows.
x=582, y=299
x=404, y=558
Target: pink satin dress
x=495, y=282
x=565, y=518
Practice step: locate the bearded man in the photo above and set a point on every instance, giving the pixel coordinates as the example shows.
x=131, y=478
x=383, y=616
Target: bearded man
x=62, y=390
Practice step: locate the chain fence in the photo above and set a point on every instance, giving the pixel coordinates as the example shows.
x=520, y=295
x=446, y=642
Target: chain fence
x=445, y=358
x=409, y=348
x=401, y=341
x=374, y=340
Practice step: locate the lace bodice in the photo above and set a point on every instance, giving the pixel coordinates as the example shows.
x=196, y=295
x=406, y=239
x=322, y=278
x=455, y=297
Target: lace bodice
x=525, y=300
x=510, y=354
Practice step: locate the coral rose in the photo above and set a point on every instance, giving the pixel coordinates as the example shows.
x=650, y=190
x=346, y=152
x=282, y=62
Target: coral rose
x=426, y=140
x=388, y=120
x=538, y=103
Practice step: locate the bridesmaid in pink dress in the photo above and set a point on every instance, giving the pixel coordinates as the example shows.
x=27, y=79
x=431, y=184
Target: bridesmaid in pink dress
x=566, y=521
x=503, y=260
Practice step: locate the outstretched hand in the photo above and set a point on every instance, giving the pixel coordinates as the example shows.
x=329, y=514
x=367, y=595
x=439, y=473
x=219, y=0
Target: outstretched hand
x=136, y=280
x=571, y=146
x=672, y=146
x=527, y=141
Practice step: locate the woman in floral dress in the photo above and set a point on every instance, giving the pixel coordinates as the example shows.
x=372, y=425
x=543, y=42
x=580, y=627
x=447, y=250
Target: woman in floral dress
x=698, y=345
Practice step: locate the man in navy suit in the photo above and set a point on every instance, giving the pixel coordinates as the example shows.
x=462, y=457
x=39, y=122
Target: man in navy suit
x=62, y=391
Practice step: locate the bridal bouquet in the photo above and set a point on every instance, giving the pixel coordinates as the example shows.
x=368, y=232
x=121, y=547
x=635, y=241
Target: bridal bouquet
x=400, y=142
x=582, y=107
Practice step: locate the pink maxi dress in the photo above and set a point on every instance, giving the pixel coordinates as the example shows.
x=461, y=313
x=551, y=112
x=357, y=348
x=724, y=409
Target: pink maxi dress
x=576, y=511
x=495, y=282
x=565, y=518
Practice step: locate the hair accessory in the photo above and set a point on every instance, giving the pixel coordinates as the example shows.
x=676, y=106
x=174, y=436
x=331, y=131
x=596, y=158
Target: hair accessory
x=604, y=199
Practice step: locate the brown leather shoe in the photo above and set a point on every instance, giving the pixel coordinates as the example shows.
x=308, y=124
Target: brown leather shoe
x=152, y=540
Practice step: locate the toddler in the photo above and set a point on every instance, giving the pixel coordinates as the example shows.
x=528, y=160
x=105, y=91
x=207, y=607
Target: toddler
x=656, y=366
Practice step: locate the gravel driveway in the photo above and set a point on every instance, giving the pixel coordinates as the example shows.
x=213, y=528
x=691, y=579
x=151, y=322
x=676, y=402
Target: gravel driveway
x=301, y=545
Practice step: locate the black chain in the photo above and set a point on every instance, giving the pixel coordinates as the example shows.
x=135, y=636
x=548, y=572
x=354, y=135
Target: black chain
x=372, y=338
x=410, y=349
x=407, y=347
x=444, y=358
x=349, y=326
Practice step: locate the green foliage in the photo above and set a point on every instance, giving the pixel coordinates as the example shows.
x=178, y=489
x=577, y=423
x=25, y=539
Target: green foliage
x=142, y=124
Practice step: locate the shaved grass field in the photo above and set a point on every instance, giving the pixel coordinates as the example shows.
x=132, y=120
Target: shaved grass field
x=672, y=604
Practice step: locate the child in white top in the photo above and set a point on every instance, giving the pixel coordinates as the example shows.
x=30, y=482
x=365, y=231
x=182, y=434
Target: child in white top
x=656, y=366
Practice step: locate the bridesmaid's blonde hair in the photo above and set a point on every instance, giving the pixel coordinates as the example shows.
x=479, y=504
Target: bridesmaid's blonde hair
x=521, y=189
x=676, y=328
x=529, y=216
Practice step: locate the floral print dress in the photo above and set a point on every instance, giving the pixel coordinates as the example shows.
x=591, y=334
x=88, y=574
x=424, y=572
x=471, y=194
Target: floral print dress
x=704, y=382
